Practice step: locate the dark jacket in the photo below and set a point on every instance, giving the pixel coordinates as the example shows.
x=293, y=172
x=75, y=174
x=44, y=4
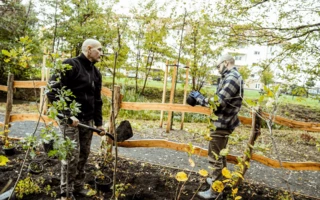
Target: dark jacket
x=85, y=81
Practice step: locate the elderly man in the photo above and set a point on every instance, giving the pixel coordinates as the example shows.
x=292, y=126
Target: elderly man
x=84, y=80
x=230, y=94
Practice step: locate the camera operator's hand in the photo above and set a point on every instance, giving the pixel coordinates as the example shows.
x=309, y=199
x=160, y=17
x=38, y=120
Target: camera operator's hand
x=196, y=98
x=197, y=95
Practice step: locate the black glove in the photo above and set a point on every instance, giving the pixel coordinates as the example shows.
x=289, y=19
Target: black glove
x=195, y=98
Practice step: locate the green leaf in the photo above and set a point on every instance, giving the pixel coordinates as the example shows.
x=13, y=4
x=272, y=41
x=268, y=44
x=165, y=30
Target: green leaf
x=216, y=156
x=252, y=103
x=24, y=40
x=13, y=53
x=6, y=53
x=261, y=98
x=224, y=152
x=214, y=117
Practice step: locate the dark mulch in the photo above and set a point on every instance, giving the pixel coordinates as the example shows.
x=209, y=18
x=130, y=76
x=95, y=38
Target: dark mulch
x=140, y=180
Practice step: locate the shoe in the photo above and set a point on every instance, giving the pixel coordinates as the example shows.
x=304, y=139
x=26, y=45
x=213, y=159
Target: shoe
x=209, y=181
x=64, y=197
x=208, y=194
x=83, y=192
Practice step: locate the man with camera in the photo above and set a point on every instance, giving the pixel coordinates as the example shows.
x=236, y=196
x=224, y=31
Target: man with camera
x=230, y=94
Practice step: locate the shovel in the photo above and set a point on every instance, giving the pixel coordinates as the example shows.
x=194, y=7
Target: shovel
x=124, y=130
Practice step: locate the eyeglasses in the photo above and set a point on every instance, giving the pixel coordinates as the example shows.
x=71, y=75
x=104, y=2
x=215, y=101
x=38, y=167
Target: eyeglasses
x=218, y=66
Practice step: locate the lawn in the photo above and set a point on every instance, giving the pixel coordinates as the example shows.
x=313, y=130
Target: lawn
x=248, y=93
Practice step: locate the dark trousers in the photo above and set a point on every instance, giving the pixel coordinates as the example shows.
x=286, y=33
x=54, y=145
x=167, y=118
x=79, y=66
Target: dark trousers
x=78, y=157
x=219, y=141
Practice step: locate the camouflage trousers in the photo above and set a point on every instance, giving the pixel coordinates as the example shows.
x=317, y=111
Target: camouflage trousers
x=219, y=141
x=79, y=156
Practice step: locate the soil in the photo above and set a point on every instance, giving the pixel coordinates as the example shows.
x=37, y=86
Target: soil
x=140, y=180
x=151, y=171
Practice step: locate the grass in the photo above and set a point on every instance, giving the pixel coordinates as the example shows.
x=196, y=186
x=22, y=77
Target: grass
x=248, y=93
x=150, y=83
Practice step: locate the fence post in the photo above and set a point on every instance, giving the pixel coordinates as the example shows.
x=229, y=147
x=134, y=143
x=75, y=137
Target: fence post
x=43, y=78
x=185, y=95
x=164, y=92
x=255, y=132
x=173, y=85
x=9, y=104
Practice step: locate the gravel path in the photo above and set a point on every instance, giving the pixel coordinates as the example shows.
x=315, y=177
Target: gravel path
x=304, y=182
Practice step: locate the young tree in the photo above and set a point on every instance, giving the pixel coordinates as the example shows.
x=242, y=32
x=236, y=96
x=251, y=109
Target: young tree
x=149, y=36
x=17, y=21
x=266, y=76
x=292, y=26
x=245, y=72
x=309, y=84
x=198, y=47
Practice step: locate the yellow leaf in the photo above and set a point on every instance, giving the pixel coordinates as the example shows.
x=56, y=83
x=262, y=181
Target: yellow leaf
x=226, y=173
x=7, y=60
x=234, y=191
x=181, y=176
x=203, y=172
x=270, y=93
x=3, y=160
x=238, y=175
x=238, y=197
x=192, y=164
x=217, y=186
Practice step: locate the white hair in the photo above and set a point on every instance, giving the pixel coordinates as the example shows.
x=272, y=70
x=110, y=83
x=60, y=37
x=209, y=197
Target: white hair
x=226, y=57
x=89, y=42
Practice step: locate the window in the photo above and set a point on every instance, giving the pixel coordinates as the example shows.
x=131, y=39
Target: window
x=256, y=52
x=257, y=85
x=237, y=57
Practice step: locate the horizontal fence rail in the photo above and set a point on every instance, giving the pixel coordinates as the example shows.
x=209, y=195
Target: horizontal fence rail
x=3, y=88
x=308, y=126
x=230, y=158
x=165, y=107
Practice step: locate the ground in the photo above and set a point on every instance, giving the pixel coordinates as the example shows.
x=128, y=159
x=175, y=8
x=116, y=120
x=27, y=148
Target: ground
x=140, y=180
x=150, y=171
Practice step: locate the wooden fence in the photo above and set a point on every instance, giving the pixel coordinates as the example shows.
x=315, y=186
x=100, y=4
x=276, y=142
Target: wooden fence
x=308, y=126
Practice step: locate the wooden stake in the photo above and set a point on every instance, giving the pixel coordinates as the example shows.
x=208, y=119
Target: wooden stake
x=9, y=104
x=185, y=95
x=173, y=85
x=255, y=132
x=164, y=92
x=43, y=72
x=117, y=102
x=45, y=106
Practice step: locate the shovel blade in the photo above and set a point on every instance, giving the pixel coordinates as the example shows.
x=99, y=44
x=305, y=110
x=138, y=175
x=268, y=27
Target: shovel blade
x=124, y=131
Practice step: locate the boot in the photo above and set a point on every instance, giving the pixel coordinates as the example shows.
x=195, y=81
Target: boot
x=209, y=181
x=208, y=194
x=217, y=176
